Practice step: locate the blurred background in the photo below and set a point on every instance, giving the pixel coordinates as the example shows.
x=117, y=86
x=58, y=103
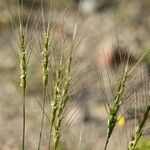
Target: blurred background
x=104, y=29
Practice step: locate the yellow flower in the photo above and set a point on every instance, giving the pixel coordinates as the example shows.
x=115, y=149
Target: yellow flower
x=121, y=121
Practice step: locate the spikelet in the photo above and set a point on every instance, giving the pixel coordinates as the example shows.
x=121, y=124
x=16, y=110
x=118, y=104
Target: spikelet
x=138, y=130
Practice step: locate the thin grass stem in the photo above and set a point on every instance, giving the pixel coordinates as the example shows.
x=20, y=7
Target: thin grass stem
x=24, y=120
x=42, y=119
x=23, y=70
x=45, y=70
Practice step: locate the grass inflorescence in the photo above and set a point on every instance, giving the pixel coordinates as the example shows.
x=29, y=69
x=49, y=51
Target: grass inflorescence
x=45, y=70
x=23, y=70
x=138, y=130
x=118, y=99
x=60, y=97
x=113, y=114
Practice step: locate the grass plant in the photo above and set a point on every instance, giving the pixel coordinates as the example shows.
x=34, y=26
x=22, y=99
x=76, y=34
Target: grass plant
x=23, y=80
x=61, y=95
x=23, y=74
x=113, y=114
x=118, y=99
x=45, y=70
x=137, y=133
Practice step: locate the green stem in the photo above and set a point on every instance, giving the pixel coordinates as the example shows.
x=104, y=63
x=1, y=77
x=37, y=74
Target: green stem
x=43, y=114
x=45, y=63
x=24, y=120
x=23, y=70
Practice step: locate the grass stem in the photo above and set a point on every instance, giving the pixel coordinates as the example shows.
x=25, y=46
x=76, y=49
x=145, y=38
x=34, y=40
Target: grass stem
x=23, y=69
x=45, y=69
x=42, y=119
x=24, y=120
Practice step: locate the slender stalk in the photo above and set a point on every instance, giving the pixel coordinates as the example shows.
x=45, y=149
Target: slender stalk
x=45, y=69
x=42, y=119
x=23, y=70
x=24, y=118
x=139, y=130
